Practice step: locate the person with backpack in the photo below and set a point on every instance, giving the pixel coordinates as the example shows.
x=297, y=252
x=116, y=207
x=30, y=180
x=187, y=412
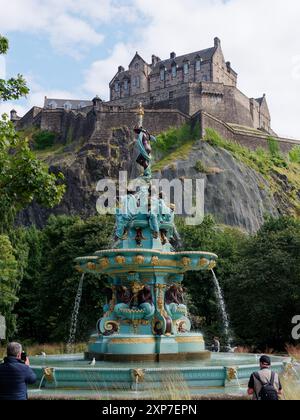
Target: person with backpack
x=265, y=385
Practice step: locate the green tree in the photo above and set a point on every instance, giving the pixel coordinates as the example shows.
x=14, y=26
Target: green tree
x=13, y=88
x=264, y=292
x=8, y=282
x=48, y=293
x=225, y=242
x=23, y=178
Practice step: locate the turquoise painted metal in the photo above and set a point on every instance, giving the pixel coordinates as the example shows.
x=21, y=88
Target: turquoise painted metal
x=223, y=373
x=145, y=317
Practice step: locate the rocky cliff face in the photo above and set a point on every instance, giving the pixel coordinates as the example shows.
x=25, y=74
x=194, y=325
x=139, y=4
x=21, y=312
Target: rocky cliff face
x=234, y=193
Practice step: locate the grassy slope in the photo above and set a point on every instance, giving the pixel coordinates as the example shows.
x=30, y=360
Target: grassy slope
x=282, y=175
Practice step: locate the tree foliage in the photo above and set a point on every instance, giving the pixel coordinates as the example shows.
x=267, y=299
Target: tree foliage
x=259, y=275
x=14, y=88
x=264, y=292
x=50, y=281
x=23, y=178
x=8, y=281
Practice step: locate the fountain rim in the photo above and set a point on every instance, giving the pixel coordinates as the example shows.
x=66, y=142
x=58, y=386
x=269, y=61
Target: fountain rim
x=147, y=251
x=277, y=362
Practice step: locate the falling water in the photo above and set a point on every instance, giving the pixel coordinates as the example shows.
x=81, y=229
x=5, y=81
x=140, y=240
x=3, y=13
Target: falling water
x=74, y=319
x=225, y=316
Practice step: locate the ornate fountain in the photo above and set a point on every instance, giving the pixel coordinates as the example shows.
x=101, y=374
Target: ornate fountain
x=145, y=325
x=145, y=317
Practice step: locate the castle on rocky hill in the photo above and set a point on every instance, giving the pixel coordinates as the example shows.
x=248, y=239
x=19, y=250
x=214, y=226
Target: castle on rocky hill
x=199, y=85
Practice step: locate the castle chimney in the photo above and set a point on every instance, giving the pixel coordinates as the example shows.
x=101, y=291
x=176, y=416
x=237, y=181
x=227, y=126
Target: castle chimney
x=155, y=60
x=121, y=69
x=13, y=115
x=217, y=42
x=173, y=55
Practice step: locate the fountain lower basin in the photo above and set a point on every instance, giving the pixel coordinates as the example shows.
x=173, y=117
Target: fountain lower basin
x=222, y=373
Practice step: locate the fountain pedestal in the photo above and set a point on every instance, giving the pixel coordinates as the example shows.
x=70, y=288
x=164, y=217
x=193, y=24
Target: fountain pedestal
x=145, y=317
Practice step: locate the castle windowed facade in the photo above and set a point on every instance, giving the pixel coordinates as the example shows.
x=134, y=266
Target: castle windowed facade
x=186, y=68
x=174, y=71
x=137, y=81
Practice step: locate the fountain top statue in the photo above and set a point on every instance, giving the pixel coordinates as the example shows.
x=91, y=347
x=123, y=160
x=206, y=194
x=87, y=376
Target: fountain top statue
x=146, y=315
x=144, y=140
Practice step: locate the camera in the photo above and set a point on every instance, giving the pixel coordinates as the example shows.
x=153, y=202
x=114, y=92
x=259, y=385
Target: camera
x=23, y=356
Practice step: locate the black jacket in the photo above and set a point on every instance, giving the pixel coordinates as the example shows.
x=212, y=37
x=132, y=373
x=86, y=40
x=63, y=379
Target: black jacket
x=14, y=378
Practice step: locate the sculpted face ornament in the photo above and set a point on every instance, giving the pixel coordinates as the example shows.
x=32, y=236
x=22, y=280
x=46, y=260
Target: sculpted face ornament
x=136, y=287
x=232, y=374
x=91, y=266
x=120, y=260
x=104, y=262
x=155, y=261
x=79, y=268
x=186, y=262
x=212, y=265
x=139, y=259
x=203, y=262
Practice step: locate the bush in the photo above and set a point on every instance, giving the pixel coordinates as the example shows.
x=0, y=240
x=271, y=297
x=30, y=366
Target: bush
x=294, y=154
x=175, y=137
x=43, y=140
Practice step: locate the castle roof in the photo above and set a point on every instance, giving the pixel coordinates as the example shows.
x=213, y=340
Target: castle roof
x=137, y=55
x=204, y=55
x=121, y=76
x=60, y=103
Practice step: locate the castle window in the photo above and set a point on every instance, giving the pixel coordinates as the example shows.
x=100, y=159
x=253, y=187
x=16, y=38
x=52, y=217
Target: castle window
x=136, y=66
x=136, y=81
x=171, y=96
x=174, y=70
x=67, y=106
x=52, y=105
x=125, y=84
x=198, y=64
x=117, y=86
x=186, y=68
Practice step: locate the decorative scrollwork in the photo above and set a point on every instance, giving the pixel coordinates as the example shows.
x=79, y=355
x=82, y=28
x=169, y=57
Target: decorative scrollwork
x=111, y=327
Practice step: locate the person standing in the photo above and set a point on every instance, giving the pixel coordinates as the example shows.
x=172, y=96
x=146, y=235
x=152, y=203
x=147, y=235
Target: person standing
x=265, y=384
x=15, y=375
x=216, y=346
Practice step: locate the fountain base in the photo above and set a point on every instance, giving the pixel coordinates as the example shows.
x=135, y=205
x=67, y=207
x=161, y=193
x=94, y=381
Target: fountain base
x=125, y=347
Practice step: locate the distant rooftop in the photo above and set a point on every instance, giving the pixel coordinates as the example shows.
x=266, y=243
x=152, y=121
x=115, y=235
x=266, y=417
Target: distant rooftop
x=67, y=104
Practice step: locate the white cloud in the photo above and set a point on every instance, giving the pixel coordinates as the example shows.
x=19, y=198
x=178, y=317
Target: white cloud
x=69, y=24
x=259, y=37
x=101, y=72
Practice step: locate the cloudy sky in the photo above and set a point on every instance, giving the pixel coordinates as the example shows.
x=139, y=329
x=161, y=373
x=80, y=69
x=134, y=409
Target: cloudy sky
x=72, y=48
